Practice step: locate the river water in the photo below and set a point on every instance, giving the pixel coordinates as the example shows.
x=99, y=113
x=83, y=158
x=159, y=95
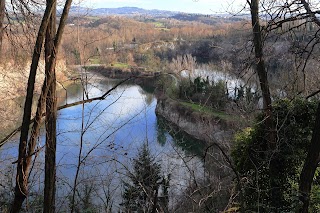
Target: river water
x=109, y=134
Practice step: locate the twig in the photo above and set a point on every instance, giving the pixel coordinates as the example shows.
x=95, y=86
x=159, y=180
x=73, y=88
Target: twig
x=11, y=134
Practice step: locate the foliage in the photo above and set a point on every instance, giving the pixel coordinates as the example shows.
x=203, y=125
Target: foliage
x=168, y=84
x=211, y=111
x=120, y=65
x=6, y=188
x=212, y=94
x=147, y=59
x=94, y=60
x=85, y=198
x=141, y=192
x=270, y=188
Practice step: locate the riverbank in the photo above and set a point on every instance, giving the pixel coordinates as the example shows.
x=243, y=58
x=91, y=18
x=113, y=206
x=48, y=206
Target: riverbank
x=197, y=121
x=204, y=125
x=214, y=131
x=13, y=82
x=118, y=72
x=118, y=130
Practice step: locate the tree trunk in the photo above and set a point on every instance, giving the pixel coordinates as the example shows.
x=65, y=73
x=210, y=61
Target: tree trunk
x=260, y=65
x=275, y=192
x=24, y=159
x=50, y=120
x=313, y=156
x=21, y=188
x=310, y=165
x=2, y=13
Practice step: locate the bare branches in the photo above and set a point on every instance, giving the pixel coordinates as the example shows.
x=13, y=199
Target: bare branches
x=24, y=162
x=11, y=134
x=21, y=186
x=313, y=94
x=185, y=62
x=310, y=12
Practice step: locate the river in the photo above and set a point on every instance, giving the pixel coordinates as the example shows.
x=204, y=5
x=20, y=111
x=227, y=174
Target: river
x=111, y=132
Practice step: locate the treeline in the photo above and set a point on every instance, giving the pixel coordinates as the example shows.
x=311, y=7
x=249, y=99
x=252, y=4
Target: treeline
x=153, y=43
x=117, y=39
x=105, y=38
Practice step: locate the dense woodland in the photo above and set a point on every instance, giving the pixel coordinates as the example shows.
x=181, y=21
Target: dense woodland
x=267, y=155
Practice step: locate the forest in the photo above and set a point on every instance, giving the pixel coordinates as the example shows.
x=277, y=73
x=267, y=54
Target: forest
x=159, y=111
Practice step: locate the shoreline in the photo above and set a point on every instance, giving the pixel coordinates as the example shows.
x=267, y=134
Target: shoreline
x=201, y=126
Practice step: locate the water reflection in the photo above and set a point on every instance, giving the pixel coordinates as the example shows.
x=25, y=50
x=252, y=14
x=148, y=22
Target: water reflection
x=232, y=83
x=188, y=144
x=113, y=130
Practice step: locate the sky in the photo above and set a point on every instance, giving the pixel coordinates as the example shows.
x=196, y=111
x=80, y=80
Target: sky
x=189, y=6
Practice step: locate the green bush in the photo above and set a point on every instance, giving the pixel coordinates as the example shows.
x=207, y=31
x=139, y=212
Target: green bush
x=141, y=191
x=270, y=176
x=201, y=91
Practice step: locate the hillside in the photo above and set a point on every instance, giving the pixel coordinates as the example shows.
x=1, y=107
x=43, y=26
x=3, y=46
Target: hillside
x=127, y=11
x=154, y=13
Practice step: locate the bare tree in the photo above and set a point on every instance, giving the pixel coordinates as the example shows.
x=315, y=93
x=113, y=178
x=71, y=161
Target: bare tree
x=313, y=157
x=261, y=69
x=185, y=62
x=51, y=117
x=24, y=158
x=289, y=17
x=26, y=151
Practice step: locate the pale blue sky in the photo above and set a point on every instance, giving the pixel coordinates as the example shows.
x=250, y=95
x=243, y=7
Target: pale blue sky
x=193, y=6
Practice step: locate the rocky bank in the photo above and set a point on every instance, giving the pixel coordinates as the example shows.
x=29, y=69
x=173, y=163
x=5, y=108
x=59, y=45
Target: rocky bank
x=13, y=83
x=199, y=125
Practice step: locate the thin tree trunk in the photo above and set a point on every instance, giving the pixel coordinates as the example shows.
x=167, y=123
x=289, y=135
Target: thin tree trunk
x=310, y=165
x=75, y=183
x=2, y=13
x=275, y=192
x=260, y=65
x=312, y=160
x=155, y=199
x=24, y=159
x=21, y=188
x=50, y=121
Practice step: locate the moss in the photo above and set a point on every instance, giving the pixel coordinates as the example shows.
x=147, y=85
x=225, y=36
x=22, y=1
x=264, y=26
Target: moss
x=95, y=60
x=210, y=111
x=120, y=65
x=158, y=24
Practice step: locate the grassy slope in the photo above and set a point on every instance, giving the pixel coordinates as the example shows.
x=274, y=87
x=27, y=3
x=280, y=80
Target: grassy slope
x=204, y=109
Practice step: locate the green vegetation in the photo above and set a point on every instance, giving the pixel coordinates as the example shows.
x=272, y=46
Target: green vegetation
x=205, y=109
x=203, y=92
x=141, y=193
x=95, y=60
x=158, y=24
x=120, y=65
x=272, y=175
x=201, y=95
x=93, y=18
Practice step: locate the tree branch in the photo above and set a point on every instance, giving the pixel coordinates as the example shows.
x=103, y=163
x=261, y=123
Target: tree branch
x=312, y=14
x=11, y=134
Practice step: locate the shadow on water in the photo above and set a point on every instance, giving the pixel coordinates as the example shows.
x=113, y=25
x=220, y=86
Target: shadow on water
x=115, y=129
x=181, y=139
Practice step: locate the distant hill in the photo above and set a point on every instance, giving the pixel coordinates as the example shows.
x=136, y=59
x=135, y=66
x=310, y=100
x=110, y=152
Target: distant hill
x=206, y=19
x=126, y=11
x=136, y=11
